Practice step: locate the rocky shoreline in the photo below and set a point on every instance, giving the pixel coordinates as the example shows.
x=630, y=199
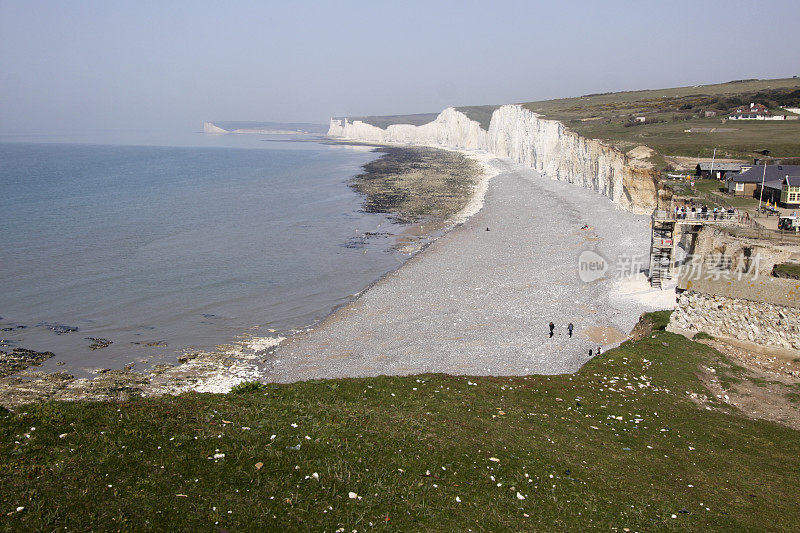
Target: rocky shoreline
x=417, y=184
x=420, y=188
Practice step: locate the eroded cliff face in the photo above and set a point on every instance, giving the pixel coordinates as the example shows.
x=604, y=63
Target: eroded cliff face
x=451, y=129
x=544, y=145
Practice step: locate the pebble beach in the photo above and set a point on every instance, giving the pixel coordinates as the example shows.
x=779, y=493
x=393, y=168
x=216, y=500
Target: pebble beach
x=479, y=299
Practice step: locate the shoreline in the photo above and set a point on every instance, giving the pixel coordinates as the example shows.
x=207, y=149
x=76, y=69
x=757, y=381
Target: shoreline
x=230, y=363
x=351, y=344
x=254, y=358
x=221, y=380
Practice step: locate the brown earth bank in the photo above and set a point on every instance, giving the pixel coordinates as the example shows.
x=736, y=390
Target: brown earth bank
x=761, y=383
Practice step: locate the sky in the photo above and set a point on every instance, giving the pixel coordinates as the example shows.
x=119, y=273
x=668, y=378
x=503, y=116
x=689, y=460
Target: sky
x=172, y=64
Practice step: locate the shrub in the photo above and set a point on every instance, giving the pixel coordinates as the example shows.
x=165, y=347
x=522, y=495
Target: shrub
x=660, y=319
x=248, y=387
x=702, y=335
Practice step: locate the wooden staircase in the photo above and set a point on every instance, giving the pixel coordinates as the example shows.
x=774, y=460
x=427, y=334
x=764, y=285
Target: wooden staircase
x=662, y=248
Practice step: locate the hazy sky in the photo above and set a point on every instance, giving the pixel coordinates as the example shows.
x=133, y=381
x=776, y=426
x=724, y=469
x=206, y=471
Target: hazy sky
x=172, y=64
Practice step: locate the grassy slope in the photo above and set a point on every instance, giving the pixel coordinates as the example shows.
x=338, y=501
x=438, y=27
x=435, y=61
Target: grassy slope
x=608, y=113
x=790, y=270
x=385, y=121
x=482, y=114
x=379, y=437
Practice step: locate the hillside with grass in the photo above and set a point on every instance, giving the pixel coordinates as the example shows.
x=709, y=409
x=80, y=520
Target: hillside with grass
x=669, y=113
x=633, y=441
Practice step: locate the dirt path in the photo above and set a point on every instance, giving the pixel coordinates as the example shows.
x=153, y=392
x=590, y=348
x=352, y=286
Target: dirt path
x=762, y=384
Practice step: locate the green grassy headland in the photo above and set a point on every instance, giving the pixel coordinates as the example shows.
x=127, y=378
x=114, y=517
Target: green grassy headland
x=669, y=112
x=619, y=444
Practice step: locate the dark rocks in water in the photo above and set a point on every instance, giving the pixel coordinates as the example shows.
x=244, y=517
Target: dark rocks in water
x=150, y=343
x=185, y=358
x=98, y=343
x=417, y=183
x=58, y=329
x=156, y=343
x=19, y=359
x=12, y=328
x=59, y=376
x=209, y=315
x=161, y=368
x=355, y=243
x=362, y=241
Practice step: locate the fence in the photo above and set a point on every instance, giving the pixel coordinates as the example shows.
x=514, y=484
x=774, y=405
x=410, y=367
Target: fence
x=734, y=223
x=756, y=231
x=699, y=215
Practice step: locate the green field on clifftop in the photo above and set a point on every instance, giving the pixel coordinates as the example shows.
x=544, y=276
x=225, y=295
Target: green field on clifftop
x=622, y=443
x=670, y=112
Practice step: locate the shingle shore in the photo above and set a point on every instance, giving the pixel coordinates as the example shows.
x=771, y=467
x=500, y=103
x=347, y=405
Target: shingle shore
x=478, y=302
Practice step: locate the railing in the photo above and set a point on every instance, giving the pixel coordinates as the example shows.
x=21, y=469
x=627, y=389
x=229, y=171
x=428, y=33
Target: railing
x=757, y=231
x=698, y=215
x=738, y=224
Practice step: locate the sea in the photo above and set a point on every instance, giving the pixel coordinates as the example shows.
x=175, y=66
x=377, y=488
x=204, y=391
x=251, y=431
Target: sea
x=178, y=245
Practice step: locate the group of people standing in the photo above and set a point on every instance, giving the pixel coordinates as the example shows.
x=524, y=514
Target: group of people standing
x=570, y=328
x=703, y=213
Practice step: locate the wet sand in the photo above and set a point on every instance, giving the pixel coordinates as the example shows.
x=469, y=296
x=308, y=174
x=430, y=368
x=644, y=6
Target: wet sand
x=478, y=302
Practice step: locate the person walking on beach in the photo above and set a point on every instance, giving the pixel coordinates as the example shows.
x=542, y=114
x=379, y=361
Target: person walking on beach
x=552, y=327
x=569, y=328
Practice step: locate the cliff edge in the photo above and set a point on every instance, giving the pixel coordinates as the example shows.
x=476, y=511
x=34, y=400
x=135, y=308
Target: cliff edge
x=524, y=137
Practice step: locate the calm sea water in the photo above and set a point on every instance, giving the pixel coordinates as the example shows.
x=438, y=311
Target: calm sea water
x=187, y=247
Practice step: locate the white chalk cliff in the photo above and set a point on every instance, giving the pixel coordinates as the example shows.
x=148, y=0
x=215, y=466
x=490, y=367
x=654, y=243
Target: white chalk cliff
x=210, y=127
x=524, y=137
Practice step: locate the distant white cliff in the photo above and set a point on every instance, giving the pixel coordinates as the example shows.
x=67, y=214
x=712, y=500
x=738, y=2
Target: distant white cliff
x=522, y=136
x=209, y=127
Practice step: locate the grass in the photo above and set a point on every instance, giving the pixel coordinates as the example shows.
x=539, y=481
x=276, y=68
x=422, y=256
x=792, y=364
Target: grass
x=385, y=121
x=616, y=445
x=604, y=116
x=710, y=192
x=482, y=114
x=787, y=270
